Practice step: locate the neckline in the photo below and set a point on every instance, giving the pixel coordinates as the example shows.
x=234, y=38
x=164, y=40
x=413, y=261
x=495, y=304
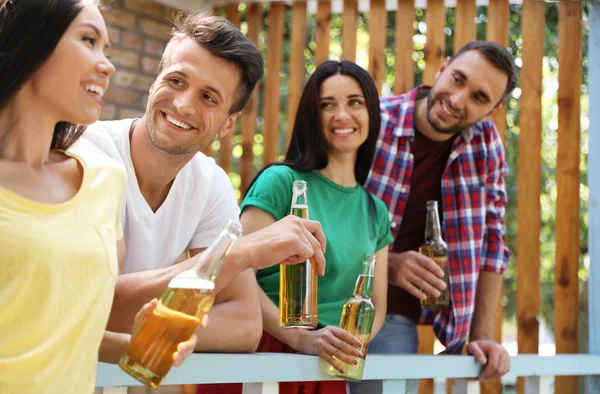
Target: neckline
x=63, y=206
x=337, y=186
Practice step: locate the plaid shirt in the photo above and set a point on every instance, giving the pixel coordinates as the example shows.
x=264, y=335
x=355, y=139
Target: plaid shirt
x=473, y=203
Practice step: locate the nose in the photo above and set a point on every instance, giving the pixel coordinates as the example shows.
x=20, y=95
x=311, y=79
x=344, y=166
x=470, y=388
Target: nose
x=185, y=103
x=106, y=67
x=458, y=99
x=341, y=114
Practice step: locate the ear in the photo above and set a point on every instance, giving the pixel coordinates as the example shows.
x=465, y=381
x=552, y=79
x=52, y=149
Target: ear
x=229, y=124
x=442, y=68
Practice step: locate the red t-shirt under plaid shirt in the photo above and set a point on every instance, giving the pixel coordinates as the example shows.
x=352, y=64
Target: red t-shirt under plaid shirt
x=473, y=205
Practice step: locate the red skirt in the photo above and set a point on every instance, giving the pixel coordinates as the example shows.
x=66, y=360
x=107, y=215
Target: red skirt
x=269, y=344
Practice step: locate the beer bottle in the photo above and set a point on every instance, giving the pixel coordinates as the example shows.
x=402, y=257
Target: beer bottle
x=436, y=249
x=188, y=297
x=358, y=314
x=298, y=283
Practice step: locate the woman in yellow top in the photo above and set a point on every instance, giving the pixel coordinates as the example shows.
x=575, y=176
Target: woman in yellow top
x=59, y=221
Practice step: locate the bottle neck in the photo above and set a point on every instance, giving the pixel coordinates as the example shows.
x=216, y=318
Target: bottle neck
x=212, y=259
x=364, y=286
x=433, y=230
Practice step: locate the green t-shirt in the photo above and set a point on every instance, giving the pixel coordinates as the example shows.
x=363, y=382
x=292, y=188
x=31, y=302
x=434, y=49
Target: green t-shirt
x=343, y=214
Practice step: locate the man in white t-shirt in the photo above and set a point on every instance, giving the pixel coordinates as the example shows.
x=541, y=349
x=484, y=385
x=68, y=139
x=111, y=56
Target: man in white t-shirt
x=178, y=200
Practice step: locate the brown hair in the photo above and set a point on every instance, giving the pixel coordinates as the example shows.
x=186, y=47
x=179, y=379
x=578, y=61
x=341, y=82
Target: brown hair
x=221, y=38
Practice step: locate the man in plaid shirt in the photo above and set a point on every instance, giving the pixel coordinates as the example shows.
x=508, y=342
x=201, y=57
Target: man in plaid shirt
x=438, y=143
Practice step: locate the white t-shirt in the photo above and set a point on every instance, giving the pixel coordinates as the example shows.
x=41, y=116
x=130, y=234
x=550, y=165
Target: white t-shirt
x=197, y=208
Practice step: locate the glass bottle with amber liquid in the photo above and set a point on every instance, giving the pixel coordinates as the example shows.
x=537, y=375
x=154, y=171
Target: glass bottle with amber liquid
x=188, y=297
x=436, y=249
x=358, y=314
x=298, y=283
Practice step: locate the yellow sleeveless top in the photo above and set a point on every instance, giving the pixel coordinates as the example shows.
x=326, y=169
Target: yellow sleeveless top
x=58, y=269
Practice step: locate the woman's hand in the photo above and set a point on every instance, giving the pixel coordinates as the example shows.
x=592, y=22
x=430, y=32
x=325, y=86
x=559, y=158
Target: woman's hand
x=184, y=349
x=330, y=343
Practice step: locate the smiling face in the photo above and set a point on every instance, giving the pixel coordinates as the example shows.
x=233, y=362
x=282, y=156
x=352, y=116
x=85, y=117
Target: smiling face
x=190, y=100
x=465, y=91
x=73, y=79
x=344, y=114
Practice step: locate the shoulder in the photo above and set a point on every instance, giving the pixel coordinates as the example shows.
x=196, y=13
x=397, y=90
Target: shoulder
x=100, y=167
x=279, y=173
x=116, y=130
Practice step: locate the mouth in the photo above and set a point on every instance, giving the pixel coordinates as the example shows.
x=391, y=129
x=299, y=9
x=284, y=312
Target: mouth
x=345, y=131
x=176, y=123
x=448, y=111
x=96, y=91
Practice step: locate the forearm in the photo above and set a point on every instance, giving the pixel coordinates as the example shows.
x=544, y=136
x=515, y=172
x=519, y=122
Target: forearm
x=113, y=346
x=270, y=316
x=134, y=290
x=235, y=323
x=489, y=287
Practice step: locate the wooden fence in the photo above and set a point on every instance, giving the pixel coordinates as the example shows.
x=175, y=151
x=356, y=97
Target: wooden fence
x=529, y=171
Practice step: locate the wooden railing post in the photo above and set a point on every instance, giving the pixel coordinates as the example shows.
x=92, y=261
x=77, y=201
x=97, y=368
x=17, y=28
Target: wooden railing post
x=530, y=180
x=566, y=290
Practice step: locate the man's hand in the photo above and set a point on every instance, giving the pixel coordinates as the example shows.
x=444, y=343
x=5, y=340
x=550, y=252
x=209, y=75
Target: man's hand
x=332, y=344
x=290, y=240
x=416, y=274
x=492, y=356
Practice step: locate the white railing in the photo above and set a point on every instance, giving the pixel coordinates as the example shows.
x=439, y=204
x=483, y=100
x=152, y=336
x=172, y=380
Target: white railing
x=260, y=372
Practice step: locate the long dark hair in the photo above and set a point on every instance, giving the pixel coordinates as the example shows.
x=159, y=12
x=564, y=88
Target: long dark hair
x=308, y=148
x=29, y=33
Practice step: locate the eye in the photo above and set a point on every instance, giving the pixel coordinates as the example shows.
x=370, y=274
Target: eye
x=90, y=40
x=176, y=81
x=209, y=98
x=355, y=102
x=326, y=105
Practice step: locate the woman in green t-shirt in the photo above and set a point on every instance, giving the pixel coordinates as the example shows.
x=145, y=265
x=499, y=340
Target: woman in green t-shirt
x=331, y=147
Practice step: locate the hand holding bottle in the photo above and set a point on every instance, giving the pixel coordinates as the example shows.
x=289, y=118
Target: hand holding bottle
x=329, y=342
x=184, y=349
x=414, y=272
x=291, y=240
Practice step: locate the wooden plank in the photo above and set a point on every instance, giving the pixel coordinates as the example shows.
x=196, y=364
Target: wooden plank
x=530, y=179
x=207, y=150
x=593, y=385
x=498, y=14
x=225, y=159
x=465, y=27
x=566, y=290
x=322, y=30
x=404, y=69
x=377, y=26
x=297, y=71
x=435, y=19
x=273, y=82
x=426, y=341
x=254, y=20
x=349, y=28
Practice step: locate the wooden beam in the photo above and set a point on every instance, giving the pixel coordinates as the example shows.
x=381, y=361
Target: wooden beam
x=466, y=11
x=426, y=341
x=225, y=158
x=377, y=41
x=349, y=28
x=404, y=79
x=322, y=31
x=273, y=82
x=530, y=180
x=435, y=19
x=566, y=290
x=297, y=71
x=254, y=21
